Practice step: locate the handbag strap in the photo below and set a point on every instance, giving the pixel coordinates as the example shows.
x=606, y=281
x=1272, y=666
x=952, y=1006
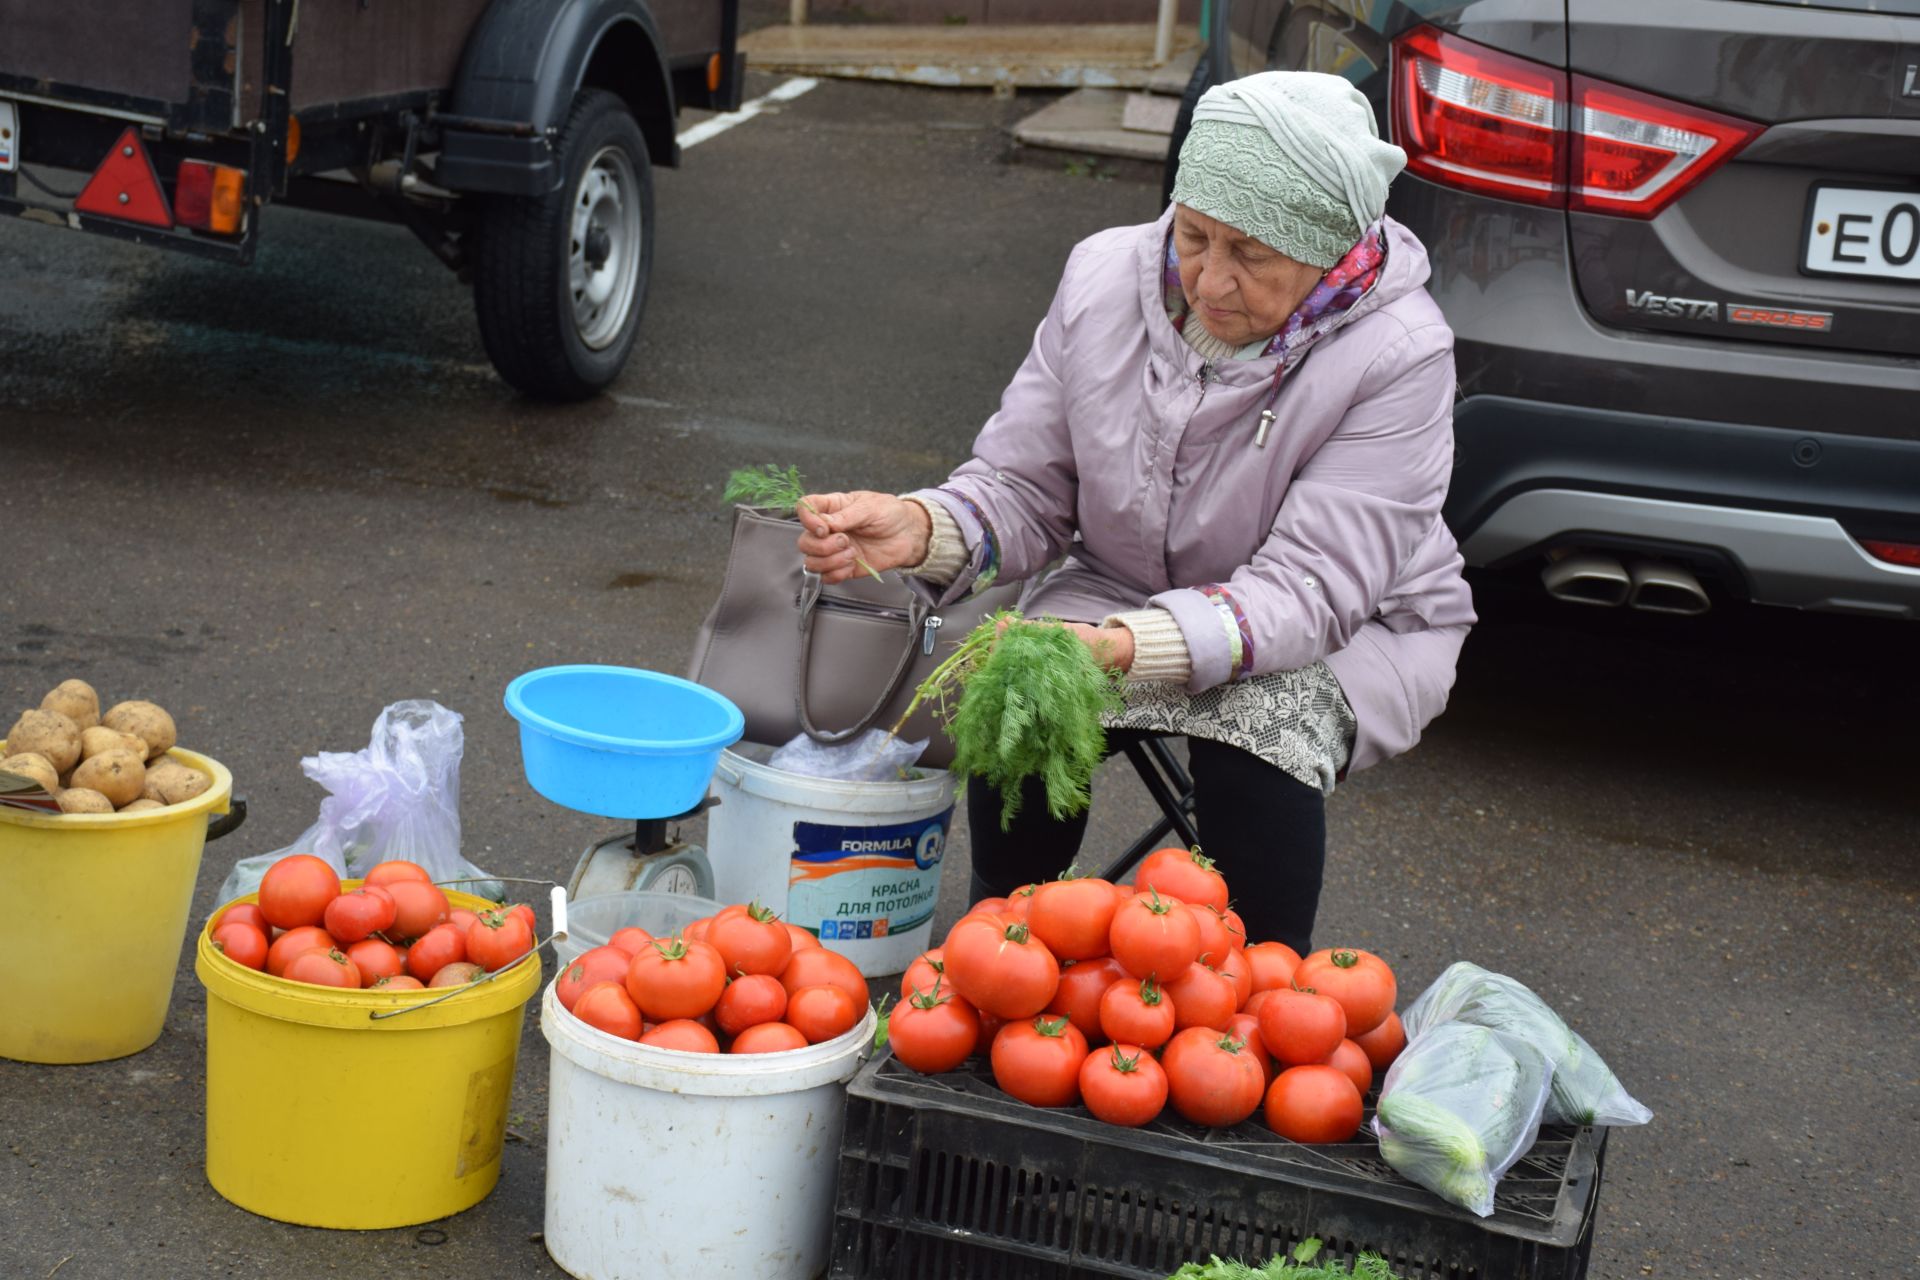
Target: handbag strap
x=809, y=597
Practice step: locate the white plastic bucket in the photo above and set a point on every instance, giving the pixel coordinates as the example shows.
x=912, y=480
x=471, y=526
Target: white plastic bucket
x=592, y=920
x=857, y=863
x=661, y=1163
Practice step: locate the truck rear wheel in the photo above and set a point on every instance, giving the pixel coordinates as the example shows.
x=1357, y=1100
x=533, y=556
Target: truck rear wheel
x=560, y=279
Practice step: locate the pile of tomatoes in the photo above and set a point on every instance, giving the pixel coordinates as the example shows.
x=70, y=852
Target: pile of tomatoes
x=739, y=981
x=1127, y=997
x=395, y=931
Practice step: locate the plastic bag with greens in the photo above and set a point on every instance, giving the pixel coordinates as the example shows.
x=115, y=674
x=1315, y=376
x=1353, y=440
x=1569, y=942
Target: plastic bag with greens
x=1458, y=1107
x=1584, y=1090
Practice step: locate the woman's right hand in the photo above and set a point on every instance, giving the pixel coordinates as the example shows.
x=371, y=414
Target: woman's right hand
x=843, y=529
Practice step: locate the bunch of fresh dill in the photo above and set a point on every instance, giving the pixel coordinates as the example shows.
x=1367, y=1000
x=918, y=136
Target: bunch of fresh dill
x=776, y=489
x=1299, y=1265
x=1029, y=700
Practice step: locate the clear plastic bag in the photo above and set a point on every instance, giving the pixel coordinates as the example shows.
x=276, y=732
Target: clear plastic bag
x=398, y=797
x=1458, y=1107
x=874, y=756
x=1585, y=1091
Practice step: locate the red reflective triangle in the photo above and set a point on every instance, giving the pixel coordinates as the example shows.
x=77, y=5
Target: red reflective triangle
x=125, y=187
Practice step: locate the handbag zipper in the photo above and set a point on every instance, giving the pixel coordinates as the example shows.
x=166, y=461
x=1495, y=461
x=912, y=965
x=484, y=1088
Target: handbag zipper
x=836, y=604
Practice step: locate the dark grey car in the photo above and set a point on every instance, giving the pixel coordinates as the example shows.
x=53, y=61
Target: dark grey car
x=1679, y=245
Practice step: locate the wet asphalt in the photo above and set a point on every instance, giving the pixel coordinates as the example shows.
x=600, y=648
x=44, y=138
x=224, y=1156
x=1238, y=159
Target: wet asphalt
x=275, y=500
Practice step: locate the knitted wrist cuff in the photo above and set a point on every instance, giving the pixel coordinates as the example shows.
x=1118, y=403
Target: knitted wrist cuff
x=1159, y=646
x=946, y=548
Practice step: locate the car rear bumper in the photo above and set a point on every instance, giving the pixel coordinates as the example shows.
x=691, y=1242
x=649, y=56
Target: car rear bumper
x=1775, y=515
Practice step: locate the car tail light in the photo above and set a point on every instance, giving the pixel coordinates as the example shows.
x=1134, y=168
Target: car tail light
x=209, y=197
x=1900, y=553
x=1482, y=120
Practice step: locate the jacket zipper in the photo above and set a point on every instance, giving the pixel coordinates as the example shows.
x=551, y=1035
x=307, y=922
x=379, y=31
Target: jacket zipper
x=836, y=604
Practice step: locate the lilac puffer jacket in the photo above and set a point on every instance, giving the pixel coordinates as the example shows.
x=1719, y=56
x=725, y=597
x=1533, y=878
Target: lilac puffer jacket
x=1117, y=447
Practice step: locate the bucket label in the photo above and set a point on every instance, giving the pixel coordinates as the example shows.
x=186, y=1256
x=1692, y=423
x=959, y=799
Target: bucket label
x=854, y=883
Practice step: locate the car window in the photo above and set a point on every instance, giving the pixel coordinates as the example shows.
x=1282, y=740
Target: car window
x=1908, y=7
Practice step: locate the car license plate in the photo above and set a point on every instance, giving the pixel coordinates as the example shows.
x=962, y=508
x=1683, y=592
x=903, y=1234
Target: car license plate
x=1863, y=231
x=9, y=138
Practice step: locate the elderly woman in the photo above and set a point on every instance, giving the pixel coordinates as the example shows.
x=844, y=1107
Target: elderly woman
x=1235, y=425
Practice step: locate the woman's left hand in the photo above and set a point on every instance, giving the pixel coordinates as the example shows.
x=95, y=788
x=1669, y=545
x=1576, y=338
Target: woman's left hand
x=1112, y=646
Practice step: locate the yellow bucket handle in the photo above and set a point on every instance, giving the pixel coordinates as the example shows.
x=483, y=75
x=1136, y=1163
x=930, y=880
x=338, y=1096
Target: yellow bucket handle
x=558, y=897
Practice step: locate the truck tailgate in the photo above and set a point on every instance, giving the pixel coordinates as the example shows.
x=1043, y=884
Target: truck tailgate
x=168, y=61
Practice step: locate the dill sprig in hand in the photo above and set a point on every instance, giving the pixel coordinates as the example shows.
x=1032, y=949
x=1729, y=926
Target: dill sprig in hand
x=774, y=488
x=1030, y=698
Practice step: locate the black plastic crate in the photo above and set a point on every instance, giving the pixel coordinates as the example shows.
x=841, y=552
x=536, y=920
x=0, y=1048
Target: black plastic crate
x=946, y=1176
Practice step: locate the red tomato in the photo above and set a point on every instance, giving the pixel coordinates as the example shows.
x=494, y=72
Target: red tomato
x=324, y=969
x=1245, y=1028
x=1384, y=1043
x=1202, y=997
x=927, y=969
x=682, y=1034
x=1082, y=986
x=676, y=979
x=1350, y=1060
x=1359, y=980
x=1211, y=1077
x=607, y=1006
x=1258, y=998
x=801, y=938
x=748, y=1001
x=630, y=939
x=989, y=1024
x=768, y=1037
x=296, y=890
x=999, y=917
x=461, y=919
x=376, y=960
x=1072, y=917
x=1020, y=902
x=1137, y=1011
x=811, y=966
x=296, y=942
x=443, y=945
x=403, y=982
x=417, y=907
x=1123, y=1085
x=1236, y=927
x=241, y=943
x=697, y=931
x=497, y=939
x=1214, y=943
x=601, y=964
x=822, y=1013
x=1273, y=964
x=246, y=913
x=751, y=941
x=1237, y=971
x=934, y=1030
x=457, y=974
x=1038, y=1061
x=1001, y=968
x=1301, y=1027
x=1186, y=874
x=398, y=869
x=1156, y=936
x=524, y=913
x=1314, y=1103
x=359, y=914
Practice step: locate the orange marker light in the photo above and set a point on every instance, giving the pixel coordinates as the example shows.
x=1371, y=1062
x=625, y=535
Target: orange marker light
x=210, y=197
x=713, y=73
x=293, y=138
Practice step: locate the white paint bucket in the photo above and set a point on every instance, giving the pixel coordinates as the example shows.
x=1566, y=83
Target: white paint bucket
x=662, y=1163
x=857, y=863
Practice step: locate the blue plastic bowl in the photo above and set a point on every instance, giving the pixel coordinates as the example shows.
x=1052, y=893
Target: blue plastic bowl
x=619, y=742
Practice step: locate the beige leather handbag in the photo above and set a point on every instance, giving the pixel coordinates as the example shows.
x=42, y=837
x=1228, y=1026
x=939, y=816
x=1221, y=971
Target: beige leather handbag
x=831, y=662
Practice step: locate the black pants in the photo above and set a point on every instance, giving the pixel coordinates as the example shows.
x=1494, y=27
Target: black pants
x=1266, y=832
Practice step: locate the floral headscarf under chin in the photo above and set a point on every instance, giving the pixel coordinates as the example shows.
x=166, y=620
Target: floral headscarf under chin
x=1345, y=283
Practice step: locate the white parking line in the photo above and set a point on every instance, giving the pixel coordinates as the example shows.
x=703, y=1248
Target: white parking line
x=719, y=124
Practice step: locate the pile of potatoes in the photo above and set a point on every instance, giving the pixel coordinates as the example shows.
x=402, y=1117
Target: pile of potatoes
x=94, y=763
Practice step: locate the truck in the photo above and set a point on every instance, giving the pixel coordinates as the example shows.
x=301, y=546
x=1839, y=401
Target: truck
x=515, y=138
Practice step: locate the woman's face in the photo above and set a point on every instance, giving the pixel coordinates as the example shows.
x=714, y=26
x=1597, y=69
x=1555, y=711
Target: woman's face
x=1241, y=289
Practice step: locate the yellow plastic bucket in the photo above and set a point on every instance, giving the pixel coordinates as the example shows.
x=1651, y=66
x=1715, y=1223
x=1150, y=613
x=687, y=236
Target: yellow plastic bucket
x=321, y=1114
x=103, y=900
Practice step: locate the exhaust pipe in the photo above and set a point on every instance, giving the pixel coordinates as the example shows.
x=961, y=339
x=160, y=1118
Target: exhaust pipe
x=1586, y=577
x=1657, y=587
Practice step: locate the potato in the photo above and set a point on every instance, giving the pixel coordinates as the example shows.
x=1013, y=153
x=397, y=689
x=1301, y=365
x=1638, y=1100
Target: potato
x=141, y=805
x=81, y=800
x=31, y=764
x=171, y=782
x=76, y=700
x=143, y=720
x=119, y=775
x=47, y=733
x=101, y=739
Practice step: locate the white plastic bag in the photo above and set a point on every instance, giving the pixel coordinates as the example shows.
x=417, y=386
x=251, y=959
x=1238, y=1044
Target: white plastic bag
x=874, y=756
x=398, y=797
x=1458, y=1107
x=1585, y=1091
